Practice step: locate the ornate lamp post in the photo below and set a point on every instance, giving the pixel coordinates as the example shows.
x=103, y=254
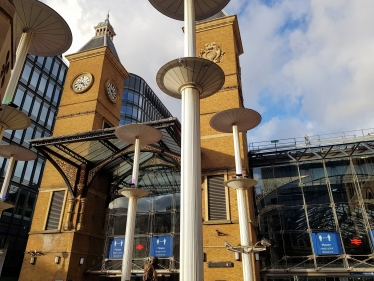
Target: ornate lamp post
x=239, y=120
x=41, y=32
x=136, y=134
x=190, y=79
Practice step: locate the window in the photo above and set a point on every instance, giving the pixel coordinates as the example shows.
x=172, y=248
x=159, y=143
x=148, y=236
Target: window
x=26, y=72
x=216, y=198
x=19, y=95
x=50, y=89
x=54, y=214
x=42, y=84
x=34, y=79
x=48, y=64
x=27, y=103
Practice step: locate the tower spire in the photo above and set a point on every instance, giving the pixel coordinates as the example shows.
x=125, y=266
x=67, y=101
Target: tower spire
x=105, y=28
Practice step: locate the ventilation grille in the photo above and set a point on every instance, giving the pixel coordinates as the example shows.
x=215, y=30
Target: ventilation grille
x=216, y=198
x=54, y=214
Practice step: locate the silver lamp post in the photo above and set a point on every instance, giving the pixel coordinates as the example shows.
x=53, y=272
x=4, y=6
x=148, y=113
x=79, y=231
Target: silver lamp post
x=136, y=134
x=41, y=32
x=190, y=79
x=239, y=120
x=14, y=153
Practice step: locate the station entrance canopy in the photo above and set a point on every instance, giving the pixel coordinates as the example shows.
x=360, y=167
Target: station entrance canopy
x=81, y=157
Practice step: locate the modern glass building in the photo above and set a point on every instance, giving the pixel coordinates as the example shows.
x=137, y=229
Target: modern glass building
x=315, y=202
x=139, y=102
x=38, y=95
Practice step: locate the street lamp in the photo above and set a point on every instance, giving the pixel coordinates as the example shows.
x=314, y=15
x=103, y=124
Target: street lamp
x=247, y=249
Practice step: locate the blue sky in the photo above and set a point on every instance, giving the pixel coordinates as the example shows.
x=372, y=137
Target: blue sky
x=307, y=67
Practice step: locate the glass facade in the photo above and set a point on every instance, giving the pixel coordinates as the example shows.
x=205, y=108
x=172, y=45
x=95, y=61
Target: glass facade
x=139, y=102
x=156, y=231
x=38, y=95
x=318, y=215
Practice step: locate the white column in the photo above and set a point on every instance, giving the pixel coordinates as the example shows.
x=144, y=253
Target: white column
x=22, y=50
x=191, y=245
x=238, y=160
x=244, y=234
x=129, y=239
x=189, y=29
x=135, y=168
x=2, y=130
x=4, y=188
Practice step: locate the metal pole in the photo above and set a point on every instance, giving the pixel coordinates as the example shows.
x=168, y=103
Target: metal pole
x=191, y=246
x=4, y=188
x=244, y=234
x=238, y=161
x=22, y=50
x=129, y=240
x=2, y=130
x=135, y=168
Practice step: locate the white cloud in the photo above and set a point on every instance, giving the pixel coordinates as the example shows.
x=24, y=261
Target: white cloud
x=325, y=69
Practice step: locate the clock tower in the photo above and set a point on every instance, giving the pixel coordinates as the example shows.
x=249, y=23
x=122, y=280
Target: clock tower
x=93, y=87
x=62, y=245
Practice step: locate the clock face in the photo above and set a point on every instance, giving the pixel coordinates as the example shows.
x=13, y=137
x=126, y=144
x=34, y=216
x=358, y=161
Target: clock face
x=82, y=82
x=111, y=90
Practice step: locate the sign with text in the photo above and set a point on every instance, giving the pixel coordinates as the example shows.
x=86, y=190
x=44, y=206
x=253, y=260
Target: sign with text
x=116, y=248
x=162, y=246
x=327, y=243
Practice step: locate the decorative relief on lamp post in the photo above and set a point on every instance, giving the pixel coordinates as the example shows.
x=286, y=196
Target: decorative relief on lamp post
x=212, y=52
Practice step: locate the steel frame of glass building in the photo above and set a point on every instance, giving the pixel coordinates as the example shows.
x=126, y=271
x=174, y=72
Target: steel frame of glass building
x=38, y=95
x=315, y=202
x=139, y=102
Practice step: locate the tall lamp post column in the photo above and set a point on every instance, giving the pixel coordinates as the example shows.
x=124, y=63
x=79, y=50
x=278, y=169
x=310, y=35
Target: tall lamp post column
x=190, y=79
x=14, y=153
x=41, y=31
x=239, y=120
x=136, y=134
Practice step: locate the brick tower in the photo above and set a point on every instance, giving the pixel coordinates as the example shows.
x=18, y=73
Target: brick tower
x=219, y=40
x=66, y=236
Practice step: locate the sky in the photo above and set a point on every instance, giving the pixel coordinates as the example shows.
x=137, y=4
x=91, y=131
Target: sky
x=307, y=67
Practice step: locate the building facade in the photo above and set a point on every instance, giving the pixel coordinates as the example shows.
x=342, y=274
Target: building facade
x=38, y=95
x=139, y=102
x=315, y=203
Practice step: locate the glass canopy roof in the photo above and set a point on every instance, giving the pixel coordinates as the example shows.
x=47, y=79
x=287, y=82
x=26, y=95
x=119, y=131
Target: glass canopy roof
x=100, y=152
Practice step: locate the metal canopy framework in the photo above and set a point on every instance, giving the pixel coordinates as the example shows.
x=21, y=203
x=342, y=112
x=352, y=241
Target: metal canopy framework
x=276, y=154
x=81, y=157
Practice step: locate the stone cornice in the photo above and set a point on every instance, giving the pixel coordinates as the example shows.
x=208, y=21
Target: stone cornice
x=102, y=51
x=217, y=23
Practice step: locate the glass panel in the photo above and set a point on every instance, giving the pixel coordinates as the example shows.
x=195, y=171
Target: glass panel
x=144, y=204
x=48, y=64
x=321, y=218
x=28, y=134
x=42, y=83
x=55, y=68
x=128, y=110
x=142, y=224
x=35, y=78
x=51, y=86
x=18, y=212
x=51, y=117
x=43, y=114
x=141, y=247
x=62, y=74
x=28, y=171
x=162, y=223
x=163, y=203
x=27, y=103
x=35, y=179
x=35, y=108
x=136, y=98
x=56, y=97
x=20, y=92
x=26, y=72
x=118, y=223
x=29, y=207
x=18, y=171
x=40, y=61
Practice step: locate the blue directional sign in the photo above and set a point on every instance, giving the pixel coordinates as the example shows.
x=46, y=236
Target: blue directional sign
x=327, y=243
x=371, y=233
x=116, y=248
x=162, y=246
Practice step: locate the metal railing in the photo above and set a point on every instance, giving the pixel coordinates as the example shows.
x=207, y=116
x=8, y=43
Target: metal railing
x=312, y=141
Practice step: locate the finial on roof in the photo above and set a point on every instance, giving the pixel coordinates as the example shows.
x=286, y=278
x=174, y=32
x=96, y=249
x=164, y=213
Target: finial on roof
x=107, y=17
